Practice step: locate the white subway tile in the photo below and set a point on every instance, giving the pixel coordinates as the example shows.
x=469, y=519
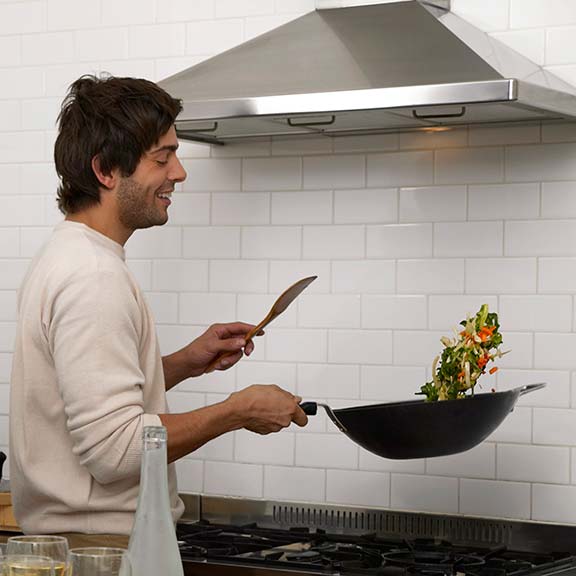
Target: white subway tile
x=433, y=203
x=479, y=462
x=517, y=463
x=211, y=242
x=494, y=498
x=369, y=461
x=22, y=18
x=541, y=162
x=294, y=484
x=257, y=25
x=416, y=348
x=212, y=175
x=554, y=351
x=364, y=276
x=21, y=147
x=554, y=503
x=326, y=451
x=143, y=68
x=10, y=51
x=40, y=114
x=560, y=44
x=558, y=199
x=431, y=276
x=12, y=273
x=554, y=426
x=190, y=475
x=233, y=8
x=470, y=166
x=529, y=43
x=9, y=242
x=10, y=116
x=7, y=305
x=538, y=13
x=557, y=274
x=366, y=206
x=488, y=15
x=241, y=209
x=366, y=143
x=294, y=5
x=295, y=146
x=5, y=368
x=205, y=309
x=540, y=238
x=104, y=43
x=271, y=174
x=157, y=40
x=560, y=131
x=296, y=346
x=10, y=176
x=468, y=239
x=390, y=312
x=339, y=171
x=501, y=275
x=446, y=312
x=272, y=242
x=176, y=11
x=164, y=306
x=130, y=12
x=454, y=137
x=218, y=382
x=358, y=488
x=238, y=276
x=302, y=207
x=51, y=48
x=159, y=242
x=499, y=135
x=190, y=210
x=7, y=333
x=521, y=346
x=283, y=375
x=536, y=313
x=325, y=381
x=21, y=83
x=172, y=338
x=26, y=210
x=329, y=311
x=503, y=201
x=142, y=272
x=556, y=394
x=269, y=449
x=399, y=241
x=284, y=274
x=333, y=242
x=424, y=493
x=391, y=383
x=400, y=169
x=181, y=275
x=232, y=479
x=360, y=346
x=516, y=427
x=179, y=402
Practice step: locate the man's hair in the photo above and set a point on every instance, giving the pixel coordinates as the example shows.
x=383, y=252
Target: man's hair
x=116, y=119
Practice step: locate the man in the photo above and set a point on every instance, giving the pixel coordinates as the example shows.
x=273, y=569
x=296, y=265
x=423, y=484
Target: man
x=87, y=371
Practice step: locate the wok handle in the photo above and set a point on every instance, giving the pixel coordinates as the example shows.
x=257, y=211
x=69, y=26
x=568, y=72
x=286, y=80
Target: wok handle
x=310, y=408
x=530, y=388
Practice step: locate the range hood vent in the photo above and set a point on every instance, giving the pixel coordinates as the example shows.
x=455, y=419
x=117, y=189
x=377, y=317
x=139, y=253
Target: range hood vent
x=398, y=66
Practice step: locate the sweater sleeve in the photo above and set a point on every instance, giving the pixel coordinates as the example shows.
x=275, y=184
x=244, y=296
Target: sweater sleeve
x=95, y=333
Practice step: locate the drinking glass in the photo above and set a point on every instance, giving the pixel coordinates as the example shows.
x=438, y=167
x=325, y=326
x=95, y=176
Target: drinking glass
x=55, y=547
x=28, y=565
x=96, y=561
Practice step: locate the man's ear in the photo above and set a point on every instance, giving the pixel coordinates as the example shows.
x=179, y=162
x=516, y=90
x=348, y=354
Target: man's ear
x=108, y=180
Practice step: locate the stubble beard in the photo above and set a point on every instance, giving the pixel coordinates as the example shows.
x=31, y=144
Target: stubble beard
x=134, y=210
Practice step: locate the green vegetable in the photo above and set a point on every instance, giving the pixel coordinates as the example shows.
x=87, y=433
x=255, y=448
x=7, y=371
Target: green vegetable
x=465, y=357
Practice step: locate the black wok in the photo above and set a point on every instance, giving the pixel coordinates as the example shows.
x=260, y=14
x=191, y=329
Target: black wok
x=420, y=429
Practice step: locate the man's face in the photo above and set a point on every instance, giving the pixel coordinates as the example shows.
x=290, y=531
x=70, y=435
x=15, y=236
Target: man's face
x=144, y=197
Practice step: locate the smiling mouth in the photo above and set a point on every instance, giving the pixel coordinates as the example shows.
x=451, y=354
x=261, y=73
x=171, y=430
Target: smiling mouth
x=165, y=197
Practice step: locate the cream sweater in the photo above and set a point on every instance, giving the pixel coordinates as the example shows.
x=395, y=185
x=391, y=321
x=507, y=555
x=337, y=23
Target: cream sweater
x=87, y=376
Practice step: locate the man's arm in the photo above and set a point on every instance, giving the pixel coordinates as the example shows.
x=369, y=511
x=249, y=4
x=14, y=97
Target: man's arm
x=258, y=408
x=220, y=340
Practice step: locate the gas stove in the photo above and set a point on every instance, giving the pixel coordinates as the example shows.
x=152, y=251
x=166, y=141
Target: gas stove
x=399, y=544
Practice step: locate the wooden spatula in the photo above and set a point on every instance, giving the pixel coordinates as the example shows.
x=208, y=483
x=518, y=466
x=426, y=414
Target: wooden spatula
x=282, y=302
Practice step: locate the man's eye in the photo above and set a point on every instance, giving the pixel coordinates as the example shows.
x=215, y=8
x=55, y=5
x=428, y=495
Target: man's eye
x=162, y=162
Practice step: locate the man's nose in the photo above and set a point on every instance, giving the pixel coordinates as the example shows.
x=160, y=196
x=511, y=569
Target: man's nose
x=177, y=174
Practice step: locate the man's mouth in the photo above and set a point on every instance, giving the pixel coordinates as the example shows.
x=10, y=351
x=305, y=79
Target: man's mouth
x=165, y=197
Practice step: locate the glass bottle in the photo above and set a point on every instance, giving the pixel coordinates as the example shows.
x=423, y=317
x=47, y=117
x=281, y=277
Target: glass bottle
x=153, y=547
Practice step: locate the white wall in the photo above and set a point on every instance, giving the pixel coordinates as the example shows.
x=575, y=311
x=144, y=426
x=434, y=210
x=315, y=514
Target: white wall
x=407, y=233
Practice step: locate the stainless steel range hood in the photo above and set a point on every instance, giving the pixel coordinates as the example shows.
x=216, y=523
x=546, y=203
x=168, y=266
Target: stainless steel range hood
x=406, y=65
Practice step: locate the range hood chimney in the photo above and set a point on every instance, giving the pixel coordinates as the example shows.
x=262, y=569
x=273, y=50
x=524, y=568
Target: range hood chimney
x=398, y=66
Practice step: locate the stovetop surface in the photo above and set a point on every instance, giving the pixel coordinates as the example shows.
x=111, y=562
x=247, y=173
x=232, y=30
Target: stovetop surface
x=251, y=549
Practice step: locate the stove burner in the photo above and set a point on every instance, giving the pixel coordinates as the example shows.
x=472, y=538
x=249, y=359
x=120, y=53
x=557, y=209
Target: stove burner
x=207, y=550
x=309, y=556
x=443, y=562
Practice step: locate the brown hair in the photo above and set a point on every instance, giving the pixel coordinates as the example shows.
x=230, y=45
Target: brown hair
x=116, y=119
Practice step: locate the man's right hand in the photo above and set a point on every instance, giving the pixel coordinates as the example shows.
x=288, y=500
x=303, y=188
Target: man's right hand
x=267, y=408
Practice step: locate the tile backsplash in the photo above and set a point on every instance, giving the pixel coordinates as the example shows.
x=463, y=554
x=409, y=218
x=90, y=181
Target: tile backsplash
x=406, y=232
